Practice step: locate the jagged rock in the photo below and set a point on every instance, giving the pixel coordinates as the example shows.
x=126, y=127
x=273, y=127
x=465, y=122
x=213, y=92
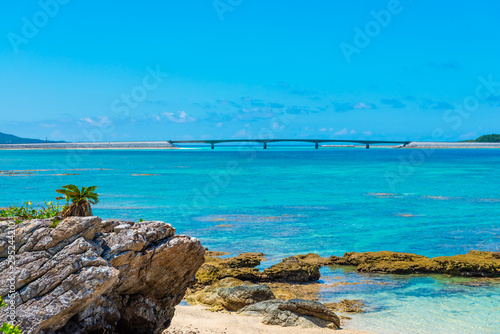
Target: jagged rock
x=109, y=225
x=474, y=263
x=245, y=260
x=241, y=267
x=296, y=269
x=231, y=294
x=292, y=269
x=293, y=313
x=79, y=278
x=313, y=258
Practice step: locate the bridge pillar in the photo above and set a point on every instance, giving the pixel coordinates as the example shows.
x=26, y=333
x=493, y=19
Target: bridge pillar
x=367, y=146
x=212, y=147
x=316, y=145
x=265, y=146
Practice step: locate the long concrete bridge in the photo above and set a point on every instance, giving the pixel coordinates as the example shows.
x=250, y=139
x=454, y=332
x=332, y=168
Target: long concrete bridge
x=265, y=141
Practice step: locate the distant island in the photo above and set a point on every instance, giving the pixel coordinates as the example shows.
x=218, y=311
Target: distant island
x=485, y=139
x=11, y=139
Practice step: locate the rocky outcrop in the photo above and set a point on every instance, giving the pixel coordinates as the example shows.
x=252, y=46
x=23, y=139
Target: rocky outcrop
x=292, y=269
x=293, y=313
x=231, y=294
x=86, y=275
x=295, y=269
x=241, y=267
x=474, y=263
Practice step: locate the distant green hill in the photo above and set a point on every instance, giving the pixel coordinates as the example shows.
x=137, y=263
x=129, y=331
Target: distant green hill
x=489, y=139
x=486, y=139
x=11, y=139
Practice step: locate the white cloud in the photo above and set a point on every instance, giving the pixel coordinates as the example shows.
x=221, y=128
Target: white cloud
x=219, y=124
x=352, y=132
x=181, y=117
x=323, y=129
x=367, y=133
x=100, y=121
x=361, y=105
x=341, y=132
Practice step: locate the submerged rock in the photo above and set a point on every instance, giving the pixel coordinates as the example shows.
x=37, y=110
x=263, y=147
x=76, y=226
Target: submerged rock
x=86, y=276
x=347, y=305
x=474, y=263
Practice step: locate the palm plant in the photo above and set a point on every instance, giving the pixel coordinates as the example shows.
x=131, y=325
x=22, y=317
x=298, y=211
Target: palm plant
x=81, y=200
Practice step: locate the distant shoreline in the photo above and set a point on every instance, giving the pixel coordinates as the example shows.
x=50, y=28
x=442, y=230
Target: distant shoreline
x=431, y=145
x=91, y=146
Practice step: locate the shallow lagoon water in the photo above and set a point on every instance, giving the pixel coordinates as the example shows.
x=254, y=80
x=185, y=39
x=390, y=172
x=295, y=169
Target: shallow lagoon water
x=286, y=201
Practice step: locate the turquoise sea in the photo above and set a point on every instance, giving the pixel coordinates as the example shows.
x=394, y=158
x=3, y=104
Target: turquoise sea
x=293, y=200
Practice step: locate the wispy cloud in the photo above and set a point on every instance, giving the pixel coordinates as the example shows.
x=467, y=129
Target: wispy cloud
x=341, y=132
x=345, y=106
x=393, y=103
x=97, y=122
x=243, y=133
x=180, y=117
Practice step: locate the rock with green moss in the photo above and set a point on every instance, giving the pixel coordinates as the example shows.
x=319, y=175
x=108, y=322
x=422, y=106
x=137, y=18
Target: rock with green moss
x=296, y=269
x=292, y=269
x=473, y=264
x=241, y=267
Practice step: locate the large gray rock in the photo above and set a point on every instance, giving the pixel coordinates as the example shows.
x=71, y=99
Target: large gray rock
x=243, y=295
x=87, y=276
x=231, y=294
x=262, y=308
x=293, y=313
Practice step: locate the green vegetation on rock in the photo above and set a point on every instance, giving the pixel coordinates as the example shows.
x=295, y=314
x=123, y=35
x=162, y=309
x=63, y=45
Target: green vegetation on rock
x=27, y=211
x=8, y=328
x=473, y=264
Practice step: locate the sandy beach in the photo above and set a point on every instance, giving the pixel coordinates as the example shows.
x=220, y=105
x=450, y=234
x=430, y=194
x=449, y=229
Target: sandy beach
x=198, y=320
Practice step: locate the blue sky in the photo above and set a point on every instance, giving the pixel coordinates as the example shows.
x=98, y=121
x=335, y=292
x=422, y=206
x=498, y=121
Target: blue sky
x=157, y=70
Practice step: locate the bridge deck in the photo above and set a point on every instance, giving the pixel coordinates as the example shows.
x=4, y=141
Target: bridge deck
x=316, y=142
x=218, y=141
